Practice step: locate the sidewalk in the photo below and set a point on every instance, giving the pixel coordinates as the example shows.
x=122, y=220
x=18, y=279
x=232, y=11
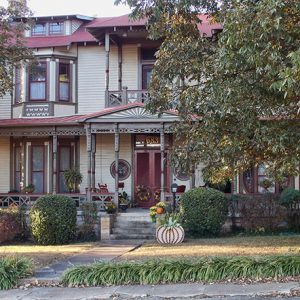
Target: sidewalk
x=174, y=291
x=106, y=251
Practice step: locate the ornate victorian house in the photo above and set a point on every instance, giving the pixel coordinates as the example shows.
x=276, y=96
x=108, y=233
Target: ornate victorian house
x=82, y=106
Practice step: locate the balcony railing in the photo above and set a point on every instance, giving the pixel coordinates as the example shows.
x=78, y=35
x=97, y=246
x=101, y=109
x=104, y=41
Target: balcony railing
x=125, y=96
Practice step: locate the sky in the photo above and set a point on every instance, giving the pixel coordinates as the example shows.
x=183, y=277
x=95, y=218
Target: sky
x=93, y=8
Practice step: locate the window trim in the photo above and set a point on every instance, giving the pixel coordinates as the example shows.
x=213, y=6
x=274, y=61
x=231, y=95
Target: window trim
x=18, y=85
x=69, y=82
x=45, y=81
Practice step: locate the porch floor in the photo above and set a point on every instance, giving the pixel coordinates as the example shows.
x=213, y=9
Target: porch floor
x=137, y=211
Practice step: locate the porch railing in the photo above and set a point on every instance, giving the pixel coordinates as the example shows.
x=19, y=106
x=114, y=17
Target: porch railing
x=16, y=199
x=125, y=96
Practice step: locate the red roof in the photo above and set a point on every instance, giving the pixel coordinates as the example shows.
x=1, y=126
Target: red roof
x=121, y=21
x=205, y=27
x=80, y=35
x=67, y=120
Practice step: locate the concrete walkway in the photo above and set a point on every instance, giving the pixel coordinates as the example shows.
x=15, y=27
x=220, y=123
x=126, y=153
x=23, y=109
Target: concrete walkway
x=174, y=291
x=105, y=251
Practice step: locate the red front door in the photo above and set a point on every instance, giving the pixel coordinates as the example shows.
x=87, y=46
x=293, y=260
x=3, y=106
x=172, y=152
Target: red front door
x=148, y=177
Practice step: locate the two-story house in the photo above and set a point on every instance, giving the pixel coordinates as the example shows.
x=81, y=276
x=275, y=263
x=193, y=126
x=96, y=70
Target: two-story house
x=82, y=106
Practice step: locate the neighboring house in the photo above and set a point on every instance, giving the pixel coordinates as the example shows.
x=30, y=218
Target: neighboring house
x=82, y=106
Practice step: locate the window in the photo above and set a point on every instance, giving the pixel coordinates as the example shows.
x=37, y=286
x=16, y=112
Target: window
x=39, y=29
x=18, y=84
x=65, y=163
x=255, y=180
x=56, y=28
x=146, y=76
x=37, y=82
x=17, y=167
x=64, y=81
x=37, y=168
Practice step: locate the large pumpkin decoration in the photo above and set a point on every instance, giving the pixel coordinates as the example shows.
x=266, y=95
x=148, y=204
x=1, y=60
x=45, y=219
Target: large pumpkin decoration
x=169, y=235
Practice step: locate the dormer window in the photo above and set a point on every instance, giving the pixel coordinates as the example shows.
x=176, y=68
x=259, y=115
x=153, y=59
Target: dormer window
x=56, y=28
x=39, y=29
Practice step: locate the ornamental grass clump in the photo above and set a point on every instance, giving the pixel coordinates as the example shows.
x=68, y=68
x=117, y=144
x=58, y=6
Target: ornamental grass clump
x=12, y=269
x=180, y=271
x=53, y=220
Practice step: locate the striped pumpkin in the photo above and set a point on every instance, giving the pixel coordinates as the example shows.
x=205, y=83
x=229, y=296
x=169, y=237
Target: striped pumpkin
x=169, y=235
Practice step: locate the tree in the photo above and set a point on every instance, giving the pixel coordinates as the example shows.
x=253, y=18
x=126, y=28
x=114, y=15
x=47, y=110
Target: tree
x=237, y=93
x=12, y=45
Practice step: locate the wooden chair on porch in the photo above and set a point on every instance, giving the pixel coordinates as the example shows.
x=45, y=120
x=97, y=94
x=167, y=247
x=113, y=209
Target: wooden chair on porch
x=102, y=196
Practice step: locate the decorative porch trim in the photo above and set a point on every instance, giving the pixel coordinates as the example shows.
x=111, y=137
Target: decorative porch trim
x=41, y=131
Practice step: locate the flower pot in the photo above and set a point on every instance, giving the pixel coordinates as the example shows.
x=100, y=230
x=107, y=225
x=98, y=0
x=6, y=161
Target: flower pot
x=123, y=207
x=169, y=235
x=160, y=210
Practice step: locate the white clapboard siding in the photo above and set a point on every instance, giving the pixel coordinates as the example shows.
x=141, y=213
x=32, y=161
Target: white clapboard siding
x=91, y=79
x=105, y=156
x=5, y=107
x=130, y=67
x=5, y=164
x=113, y=69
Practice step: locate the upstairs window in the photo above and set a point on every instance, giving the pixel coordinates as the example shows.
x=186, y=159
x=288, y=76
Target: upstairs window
x=37, y=82
x=64, y=81
x=18, y=84
x=39, y=29
x=56, y=28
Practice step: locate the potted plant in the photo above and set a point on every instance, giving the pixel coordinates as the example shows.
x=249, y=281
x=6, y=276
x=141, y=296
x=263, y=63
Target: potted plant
x=29, y=188
x=110, y=208
x=73, y=179
x=123, y=201
x=153, y=213
x=170, y=231
x=160, y=207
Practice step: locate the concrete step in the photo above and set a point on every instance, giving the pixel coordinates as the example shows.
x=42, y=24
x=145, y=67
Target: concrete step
x=132, y=237
x=130, y=230
x=121, y=223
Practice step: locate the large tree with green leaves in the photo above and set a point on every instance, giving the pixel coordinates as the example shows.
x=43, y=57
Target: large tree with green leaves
x=12, y=46
x=238, y=93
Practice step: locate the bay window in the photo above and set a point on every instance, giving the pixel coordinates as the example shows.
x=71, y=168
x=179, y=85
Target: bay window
x=64, y=81
x=38, y=82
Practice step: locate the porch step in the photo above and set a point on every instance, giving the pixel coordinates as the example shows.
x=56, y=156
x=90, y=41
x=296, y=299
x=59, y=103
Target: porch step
x=132, y=237
x=133, y=226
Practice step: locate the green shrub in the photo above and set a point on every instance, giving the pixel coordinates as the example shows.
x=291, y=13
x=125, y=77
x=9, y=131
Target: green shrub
x=180, y=271
x=53, y=220
x=204, y=211
x=289, y=196
x=86, y=231
x=12, y=269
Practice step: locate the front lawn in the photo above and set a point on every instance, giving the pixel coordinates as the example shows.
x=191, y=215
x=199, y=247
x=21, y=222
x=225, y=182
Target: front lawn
x=230, y=246
x=43, y=255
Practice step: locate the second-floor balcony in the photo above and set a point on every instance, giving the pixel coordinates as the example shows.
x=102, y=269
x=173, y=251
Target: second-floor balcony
x=125, y=96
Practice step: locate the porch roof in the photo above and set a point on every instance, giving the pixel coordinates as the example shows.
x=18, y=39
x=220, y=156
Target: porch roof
x=66, y=120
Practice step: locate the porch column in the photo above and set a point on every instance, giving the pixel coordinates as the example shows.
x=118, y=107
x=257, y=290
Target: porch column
x=22, y=165
x=89, y=156
x=54, y=152
x=107, y=49
x=117, y=149
x=162, y=164
x=93, y=167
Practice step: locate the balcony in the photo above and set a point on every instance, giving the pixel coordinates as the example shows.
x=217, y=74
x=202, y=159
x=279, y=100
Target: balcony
x=125, y=96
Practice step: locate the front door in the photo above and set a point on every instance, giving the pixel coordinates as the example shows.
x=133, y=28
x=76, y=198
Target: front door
x=148, y=177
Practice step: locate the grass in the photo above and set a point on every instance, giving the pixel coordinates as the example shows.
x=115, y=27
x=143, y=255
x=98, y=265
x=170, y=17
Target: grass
x=179, y=271
x=12, y=269
x=43, y=255
x=230, y=246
